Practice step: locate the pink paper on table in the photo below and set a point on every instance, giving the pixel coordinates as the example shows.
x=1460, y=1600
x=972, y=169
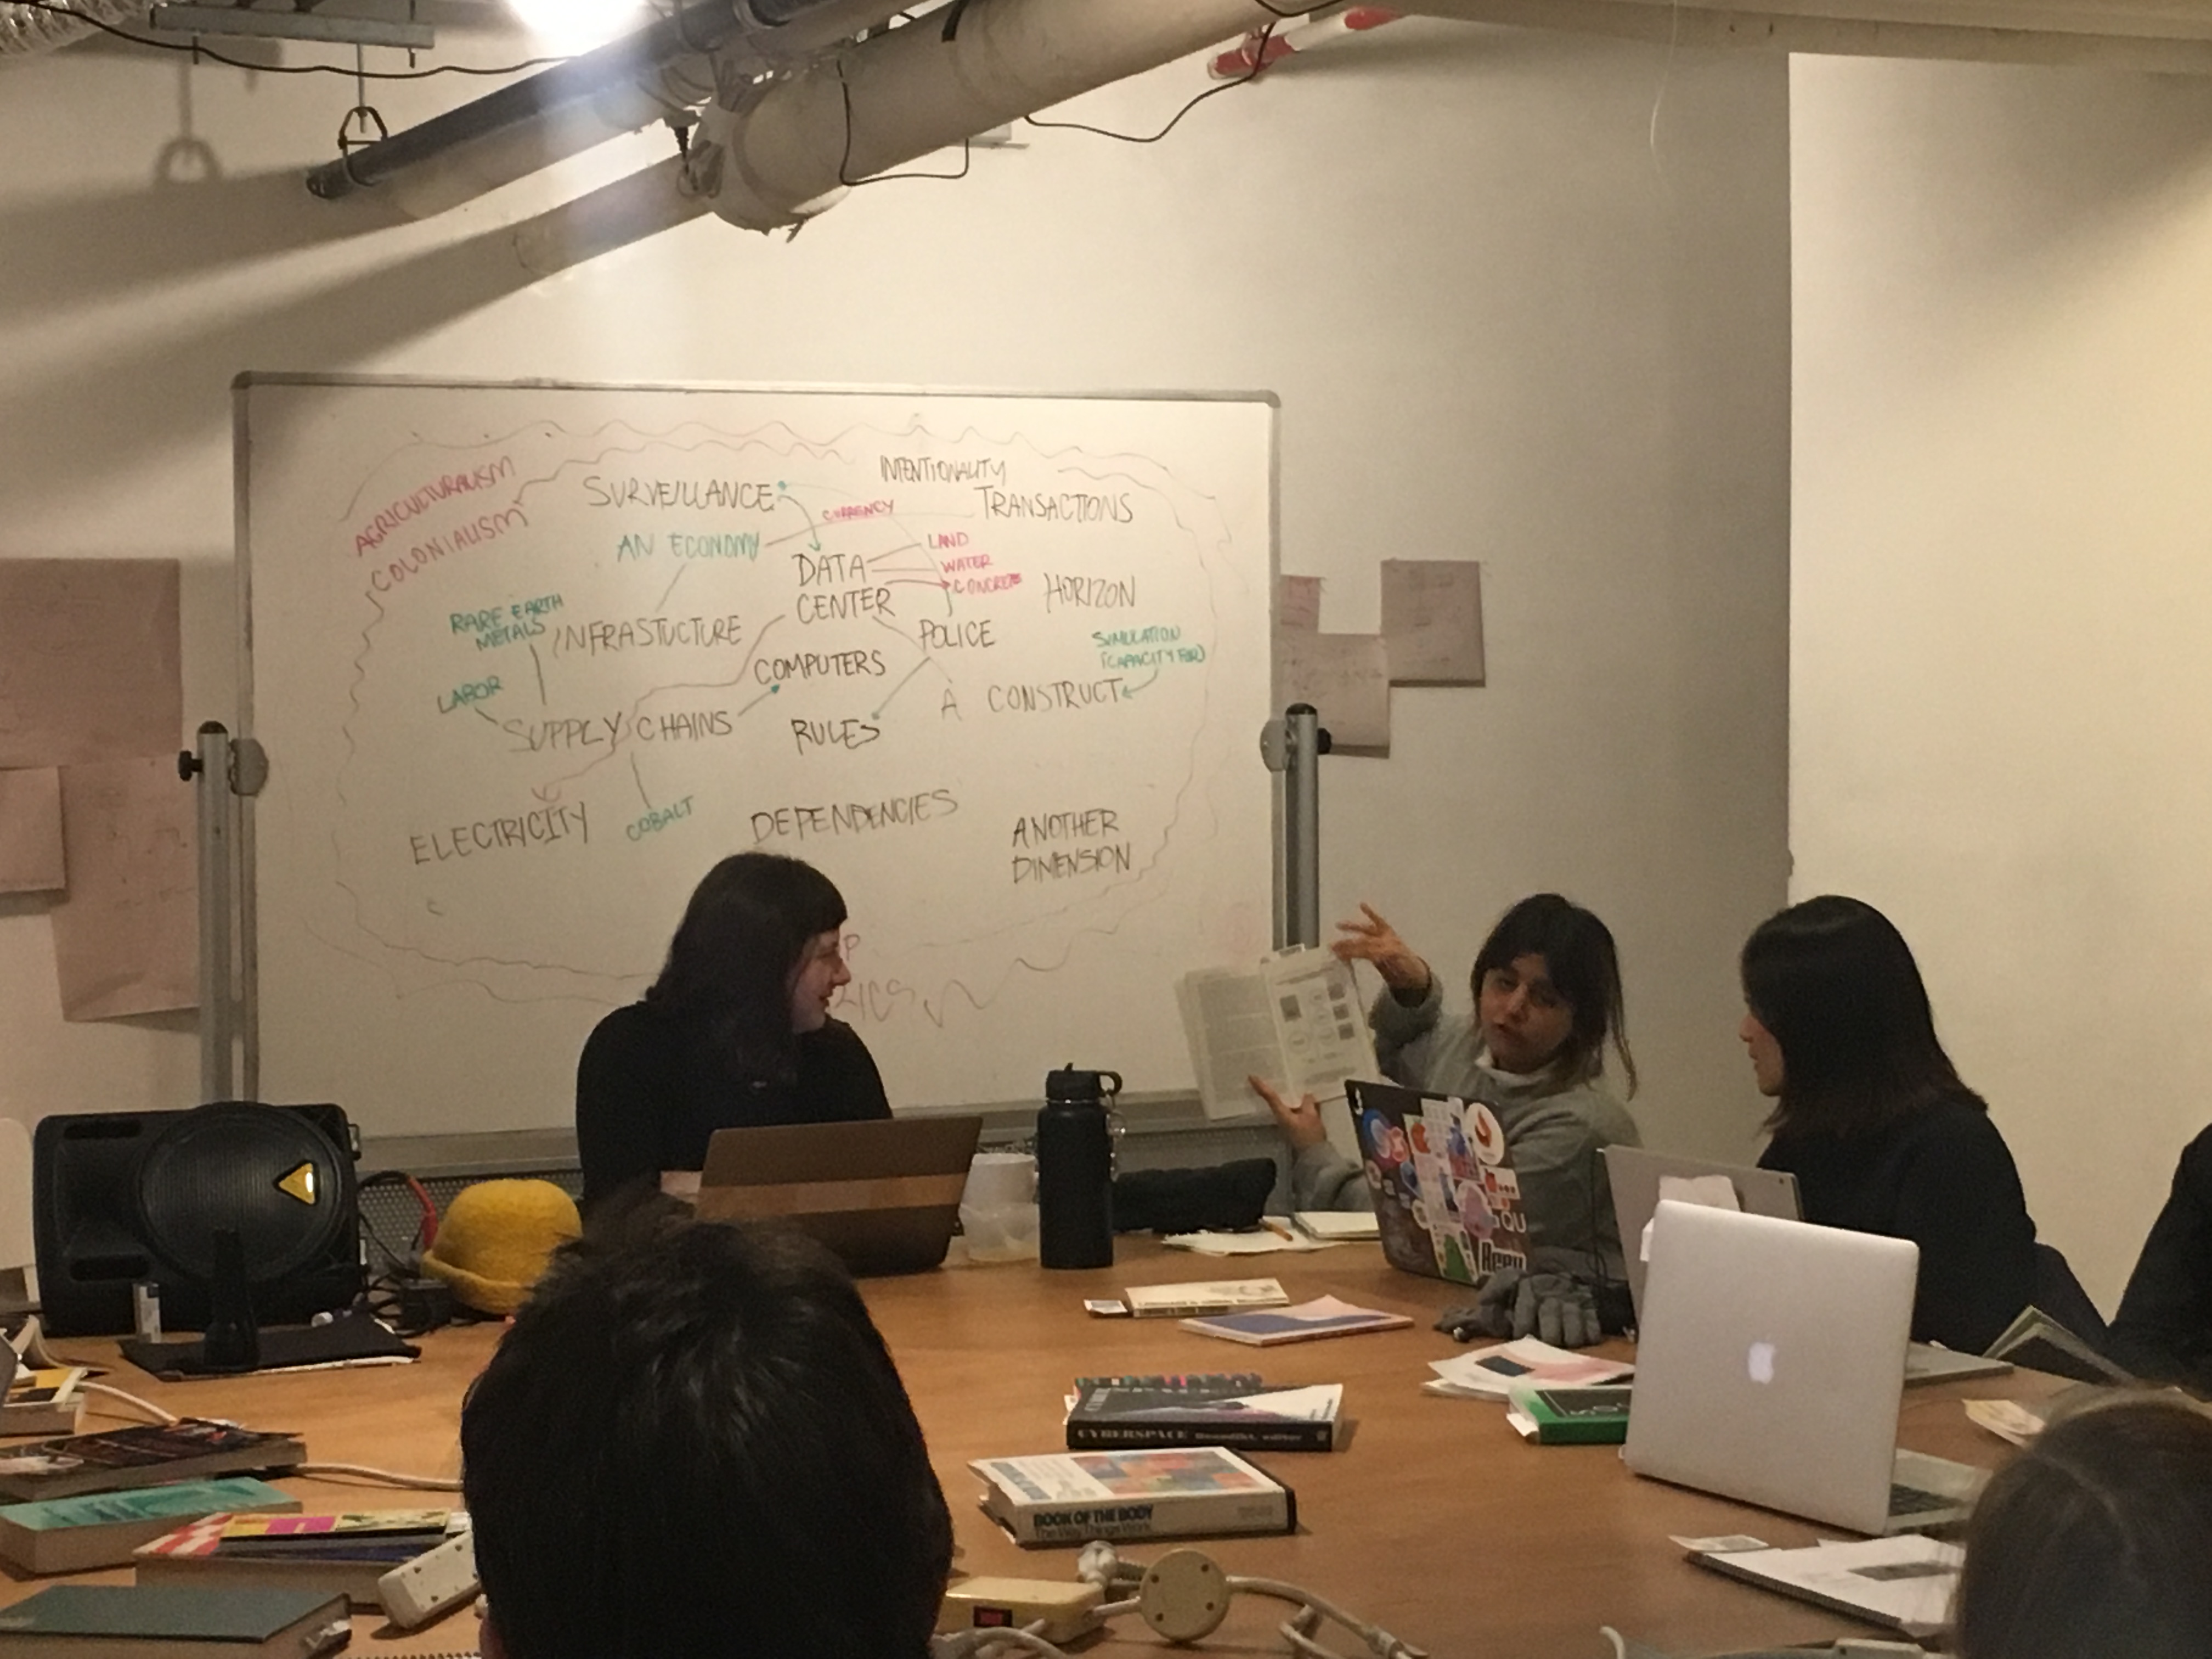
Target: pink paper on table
x=31, y=830
x=126, y=935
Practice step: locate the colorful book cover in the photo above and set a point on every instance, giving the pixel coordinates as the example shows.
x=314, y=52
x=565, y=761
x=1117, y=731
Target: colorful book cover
x=1326, y=1316
x=1185, y=1491
x=139, y=1456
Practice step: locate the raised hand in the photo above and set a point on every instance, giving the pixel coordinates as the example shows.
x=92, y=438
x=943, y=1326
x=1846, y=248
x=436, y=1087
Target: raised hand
x=1369, y=938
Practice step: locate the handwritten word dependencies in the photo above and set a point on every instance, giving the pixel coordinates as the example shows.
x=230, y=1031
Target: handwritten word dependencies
x=854, y=818
x=370, y=536
x=539, y=828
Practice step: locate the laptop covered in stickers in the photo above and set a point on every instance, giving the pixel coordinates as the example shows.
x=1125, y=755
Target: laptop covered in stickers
x=1447, y=1202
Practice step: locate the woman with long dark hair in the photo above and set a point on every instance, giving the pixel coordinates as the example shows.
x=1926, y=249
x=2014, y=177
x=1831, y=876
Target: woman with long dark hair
x=1870, y=1116
x=736, y=1033
x=1546, y=1001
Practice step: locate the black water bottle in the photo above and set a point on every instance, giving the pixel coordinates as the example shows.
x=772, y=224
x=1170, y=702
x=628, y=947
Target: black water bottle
x=1075, y=1169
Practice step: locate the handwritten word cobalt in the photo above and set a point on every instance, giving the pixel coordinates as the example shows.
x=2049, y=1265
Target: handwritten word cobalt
x=704, y=494
x=539, y=828
x=853, y=818
x=659, y=818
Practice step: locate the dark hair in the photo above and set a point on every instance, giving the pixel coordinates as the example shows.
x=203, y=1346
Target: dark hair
x=1578, y=953
x=1835, y=982
x=693, y=1443
x=742, y=936
x=2096, y=1541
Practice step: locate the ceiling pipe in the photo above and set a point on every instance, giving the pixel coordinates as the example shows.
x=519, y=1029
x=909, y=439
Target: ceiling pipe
x=666, y=68
x=25, y=29
x=939, y=81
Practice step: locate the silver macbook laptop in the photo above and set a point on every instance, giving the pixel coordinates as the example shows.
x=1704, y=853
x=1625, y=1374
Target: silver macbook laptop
x=1769, y=1368
x=1640, y=1178
x=882, y=1194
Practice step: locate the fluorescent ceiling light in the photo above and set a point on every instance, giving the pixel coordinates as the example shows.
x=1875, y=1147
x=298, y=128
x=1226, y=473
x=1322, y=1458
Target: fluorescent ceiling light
x=569, y=26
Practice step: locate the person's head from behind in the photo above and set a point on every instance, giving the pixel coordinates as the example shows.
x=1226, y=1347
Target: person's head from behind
x=2096, y=1542
x=693, y=1443
x=1836, y=1020
x=1547, y=985
x=757, y=955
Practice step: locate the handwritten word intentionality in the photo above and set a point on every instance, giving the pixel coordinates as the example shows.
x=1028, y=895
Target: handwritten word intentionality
x=852, y=602
x=1094, y=592
x=539, y=828
x=857, y=510
x=927, y=469
x=952, y=635
x=703, y=495
x=487, y=527
x=1067, y=507
x=819, y=664
x=1056, y=865
x=635, y=633
x=658, y=819
x=1086, y=824
x=462, y=695
x=1051, y=696
x=370, y=536
x=834, y=735
x=854, y=818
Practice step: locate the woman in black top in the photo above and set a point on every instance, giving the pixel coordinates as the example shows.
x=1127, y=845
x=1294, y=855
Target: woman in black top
x=736, y=1032
x=1871, y=1117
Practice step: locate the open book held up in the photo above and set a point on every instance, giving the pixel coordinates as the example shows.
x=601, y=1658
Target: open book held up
x=1294, y=1020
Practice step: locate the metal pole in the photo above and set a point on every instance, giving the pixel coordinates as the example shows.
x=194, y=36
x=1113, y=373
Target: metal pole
x=1293, y=747
x=209, y=772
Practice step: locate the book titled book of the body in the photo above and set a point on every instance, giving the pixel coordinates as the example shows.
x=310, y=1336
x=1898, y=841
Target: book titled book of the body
x=1195, y=1491
x=339, y=1554
x=1236, y=1410
x=146, y=1456
x=101, y=1530
x=126, y=1621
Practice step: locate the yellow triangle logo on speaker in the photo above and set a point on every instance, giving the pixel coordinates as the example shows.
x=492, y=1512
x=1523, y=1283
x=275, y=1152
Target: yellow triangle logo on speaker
x=300, y=1183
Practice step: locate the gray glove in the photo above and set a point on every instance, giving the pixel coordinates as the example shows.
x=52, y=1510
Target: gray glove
x=1554, y=1307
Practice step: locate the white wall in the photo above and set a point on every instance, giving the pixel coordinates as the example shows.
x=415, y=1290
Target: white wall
x=2001, y=591
x=1503, y=323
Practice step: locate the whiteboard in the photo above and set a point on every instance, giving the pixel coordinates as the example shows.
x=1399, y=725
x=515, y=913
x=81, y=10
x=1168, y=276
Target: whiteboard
x=528, y=659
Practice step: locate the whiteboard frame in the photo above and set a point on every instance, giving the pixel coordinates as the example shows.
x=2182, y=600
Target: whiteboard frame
x=246, y=382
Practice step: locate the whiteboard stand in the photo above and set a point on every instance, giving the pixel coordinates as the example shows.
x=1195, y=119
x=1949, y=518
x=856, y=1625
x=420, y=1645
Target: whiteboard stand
x=1293, y=747
x=221, y=771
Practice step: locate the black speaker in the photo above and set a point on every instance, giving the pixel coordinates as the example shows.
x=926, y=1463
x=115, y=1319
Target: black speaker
x=118, y=1197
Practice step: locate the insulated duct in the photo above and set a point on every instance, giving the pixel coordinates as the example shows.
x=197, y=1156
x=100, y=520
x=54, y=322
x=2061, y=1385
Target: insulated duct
x=668, y=68
x=939, y=81
x=33, y=28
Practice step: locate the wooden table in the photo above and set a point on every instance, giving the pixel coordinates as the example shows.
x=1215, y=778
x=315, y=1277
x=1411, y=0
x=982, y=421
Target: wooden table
x=1436, y=1520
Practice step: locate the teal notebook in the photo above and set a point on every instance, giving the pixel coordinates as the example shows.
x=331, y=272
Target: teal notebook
x=185, y=1498
x=98, y=1615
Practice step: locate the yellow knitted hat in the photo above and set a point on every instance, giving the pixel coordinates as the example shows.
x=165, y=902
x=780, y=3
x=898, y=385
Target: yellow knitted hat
x=494, y=1240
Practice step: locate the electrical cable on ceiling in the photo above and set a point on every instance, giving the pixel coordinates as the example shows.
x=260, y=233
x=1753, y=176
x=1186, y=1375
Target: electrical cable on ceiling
x=845, y=161
x=198, y=51
x=1259, y=62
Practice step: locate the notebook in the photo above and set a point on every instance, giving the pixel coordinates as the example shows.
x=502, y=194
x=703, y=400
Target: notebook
x=1769, y=1368
x=1446, y=1203
x=882, y=1194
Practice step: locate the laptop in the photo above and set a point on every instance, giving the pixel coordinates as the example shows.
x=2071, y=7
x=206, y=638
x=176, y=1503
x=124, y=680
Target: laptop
x=1769, y=1368
x=882, y=1194
x=1446, y=1203
x=1640, y=1178
x=1636, y=1177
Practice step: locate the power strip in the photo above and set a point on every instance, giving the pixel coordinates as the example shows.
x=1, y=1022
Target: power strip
x=431, y=1584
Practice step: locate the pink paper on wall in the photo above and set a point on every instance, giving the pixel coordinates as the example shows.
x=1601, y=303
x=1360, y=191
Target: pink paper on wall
x=89, y=660
x=126, y=934
x=31, y=831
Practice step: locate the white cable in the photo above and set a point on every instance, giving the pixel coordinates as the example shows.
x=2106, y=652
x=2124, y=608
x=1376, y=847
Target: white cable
x=378, y=1477
x=146, y=1406
x=1379, y=1641
x=1620, y=1646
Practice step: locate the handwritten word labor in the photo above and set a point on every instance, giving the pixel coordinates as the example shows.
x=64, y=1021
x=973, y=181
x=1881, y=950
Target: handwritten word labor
x=462, y=695
x=853, y=818
x=541, y=828
x=388, y=518
x=658, y=819
x=595, y=639
x=702, y=495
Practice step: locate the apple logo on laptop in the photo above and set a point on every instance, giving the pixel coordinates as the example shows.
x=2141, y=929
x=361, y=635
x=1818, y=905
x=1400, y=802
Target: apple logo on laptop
x=1761, y=1362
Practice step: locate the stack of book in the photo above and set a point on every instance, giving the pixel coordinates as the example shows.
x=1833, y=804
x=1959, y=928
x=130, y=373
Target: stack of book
x=337, y=1555
x=1233, y=1409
